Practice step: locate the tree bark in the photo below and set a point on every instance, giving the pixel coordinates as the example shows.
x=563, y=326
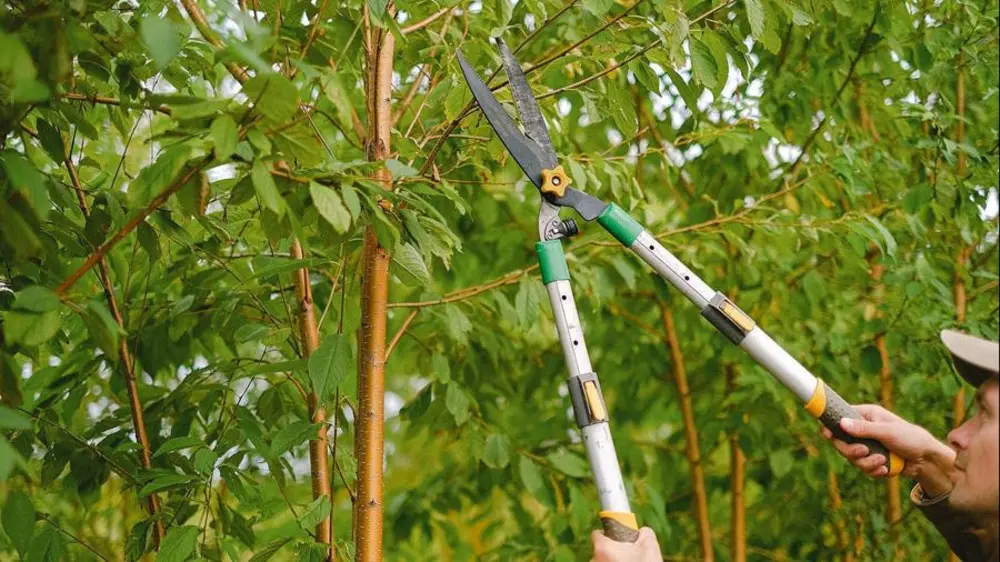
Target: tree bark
x=843, y=538
x=374, y=300
x=691, y=436
x=319, y=461
x=958, y=288
x=737, y=468
x=893, y=505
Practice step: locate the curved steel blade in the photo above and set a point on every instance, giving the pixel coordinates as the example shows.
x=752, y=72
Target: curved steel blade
x=525, y=151
x=527, y=107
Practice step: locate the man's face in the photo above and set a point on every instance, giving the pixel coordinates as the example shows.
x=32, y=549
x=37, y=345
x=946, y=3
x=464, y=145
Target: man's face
x=977, y=441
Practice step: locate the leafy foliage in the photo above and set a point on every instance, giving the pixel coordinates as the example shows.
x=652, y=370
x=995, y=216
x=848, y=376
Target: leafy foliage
x=782, y=149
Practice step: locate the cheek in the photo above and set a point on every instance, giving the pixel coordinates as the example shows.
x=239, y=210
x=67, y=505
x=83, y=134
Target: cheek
x=987, y=449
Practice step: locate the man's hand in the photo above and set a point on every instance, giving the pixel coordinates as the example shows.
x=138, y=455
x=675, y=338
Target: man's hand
x=928, y=461
x=644, y=549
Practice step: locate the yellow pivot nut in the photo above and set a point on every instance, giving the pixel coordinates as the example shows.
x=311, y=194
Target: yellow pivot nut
x=555, y=181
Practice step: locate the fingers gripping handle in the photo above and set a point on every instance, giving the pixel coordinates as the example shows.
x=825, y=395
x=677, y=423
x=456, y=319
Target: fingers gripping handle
x=827, y=406
x=620, y=527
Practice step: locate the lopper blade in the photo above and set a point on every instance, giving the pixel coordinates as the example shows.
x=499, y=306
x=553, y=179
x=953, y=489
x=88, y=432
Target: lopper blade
x=527, y=107
x=526, y=152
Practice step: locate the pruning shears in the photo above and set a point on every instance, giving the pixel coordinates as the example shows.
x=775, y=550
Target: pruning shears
x=533, y=152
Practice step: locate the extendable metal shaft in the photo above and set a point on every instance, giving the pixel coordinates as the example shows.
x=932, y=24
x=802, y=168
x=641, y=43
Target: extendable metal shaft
x=589, y=408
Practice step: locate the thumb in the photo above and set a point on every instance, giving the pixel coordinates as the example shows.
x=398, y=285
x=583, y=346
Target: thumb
x=865, y=428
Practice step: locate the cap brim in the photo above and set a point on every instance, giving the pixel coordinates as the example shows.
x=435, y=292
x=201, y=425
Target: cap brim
x=976, y=359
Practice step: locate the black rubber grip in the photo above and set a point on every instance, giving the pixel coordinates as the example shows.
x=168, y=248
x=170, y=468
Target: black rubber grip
x=837, y=409
x=618, y=531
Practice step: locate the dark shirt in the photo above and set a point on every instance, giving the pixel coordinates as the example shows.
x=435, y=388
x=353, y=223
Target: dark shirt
x=974, y=538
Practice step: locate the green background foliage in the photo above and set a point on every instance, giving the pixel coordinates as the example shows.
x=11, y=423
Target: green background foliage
x=692, y=115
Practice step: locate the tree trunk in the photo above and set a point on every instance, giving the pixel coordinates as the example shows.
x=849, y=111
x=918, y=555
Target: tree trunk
x=318, y=458
x=691, y=435
x=894, y=507
x=374, y=296
x=843, y=538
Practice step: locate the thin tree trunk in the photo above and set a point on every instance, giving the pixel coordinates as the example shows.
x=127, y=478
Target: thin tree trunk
x=895, y=510
x=737, y=467
x=691, y=436
x=374, y=299
x=319, y=461
x=843, y=538
x=960, y=110
x=958, y=286
x=126, y=359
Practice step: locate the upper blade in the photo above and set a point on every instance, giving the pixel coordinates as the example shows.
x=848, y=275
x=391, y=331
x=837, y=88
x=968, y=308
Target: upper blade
x=527, y=107
x=525, y=151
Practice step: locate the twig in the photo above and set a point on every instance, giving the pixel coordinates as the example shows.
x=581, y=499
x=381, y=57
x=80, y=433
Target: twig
x=110, y=101
x=426, y=21
x=131, y=225
x=117, y=468
x=508, y=279
x=847, y=79
x=399, y=333
x=75, y=538
x=198, y=18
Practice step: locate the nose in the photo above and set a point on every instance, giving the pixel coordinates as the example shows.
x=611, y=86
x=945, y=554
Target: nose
x=958, y=438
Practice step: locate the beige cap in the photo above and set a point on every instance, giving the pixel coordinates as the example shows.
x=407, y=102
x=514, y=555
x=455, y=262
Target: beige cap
x=975, y=359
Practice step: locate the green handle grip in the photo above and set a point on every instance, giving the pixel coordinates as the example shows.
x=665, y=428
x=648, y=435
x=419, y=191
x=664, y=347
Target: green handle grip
x=619, y=526
x=827, y=406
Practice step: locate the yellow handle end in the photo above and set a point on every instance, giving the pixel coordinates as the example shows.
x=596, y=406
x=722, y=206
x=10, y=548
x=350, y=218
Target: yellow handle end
x=896, y=464
x=625, y=518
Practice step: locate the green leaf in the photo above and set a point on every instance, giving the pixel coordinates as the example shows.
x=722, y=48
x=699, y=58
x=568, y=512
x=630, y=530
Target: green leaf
x=704, y=67
x=457, y=403
x=440, y=368
x=30, y=329
x=52, y=141
x=400, y=170
x=137, y=540
x=761, y=27
x=598, y=7
x=622, y=109
x=351, y=199
x=717, y=46
x=18, y=517
x=569, y=464
x=266, y=189
x=36, y=299
x=341, y=100
x=290, y=436
x=164, y=482
x=102, y=328
x=497, y=451
x=317, y=511
x=26, y=178
x=178, y=443
x=11, y=419
x=455, y=101
x=330, y=207
x=531, y=476
x=330, y=365
x=409, y=266
x=161, y=39
x=300, y=144
x=204, y=461
x=781, y=462
x=268, y=551
x=687, y=93
x=273, y=96
x=179, y=544
x=47, y=546
x=225, y=135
